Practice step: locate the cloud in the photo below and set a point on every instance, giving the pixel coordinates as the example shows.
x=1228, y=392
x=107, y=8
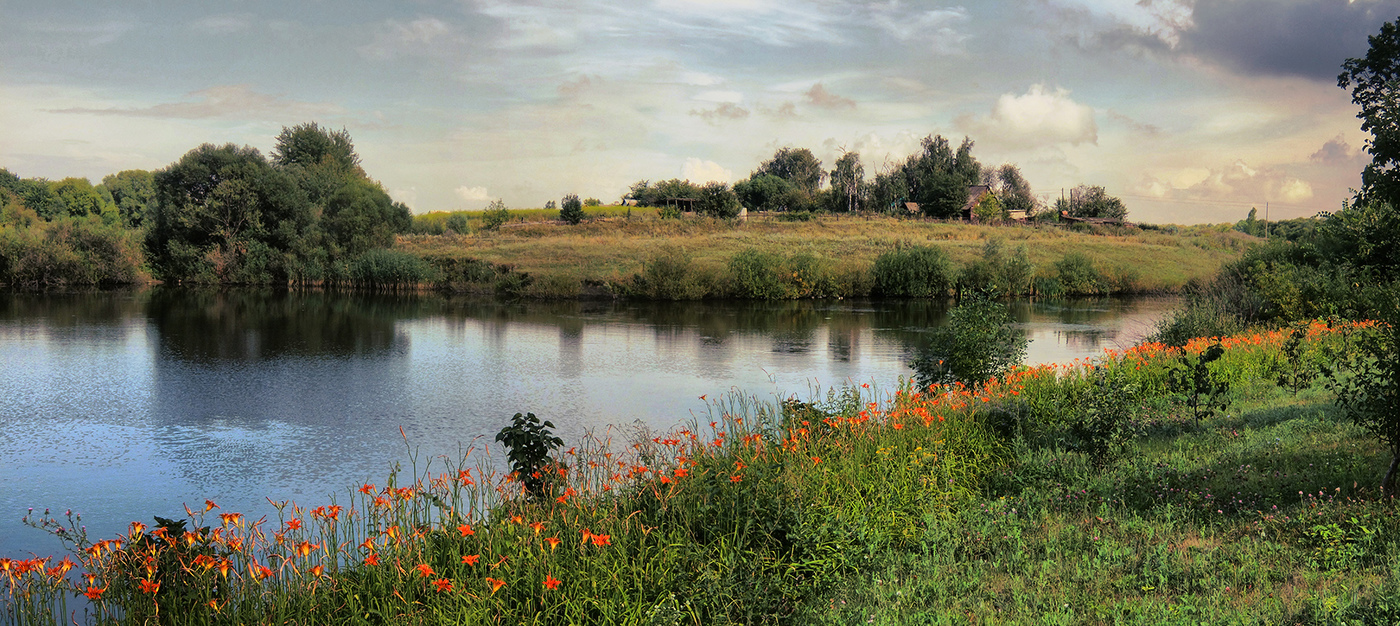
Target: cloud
x=936, y=26
x=424, y=36
x=819, y=97
x=725, y=111
x=705, y=171
x=579, y=85
x=1337, y=152
x=1039, y=117
x=473, y=194
x=223, y=24
x=780, y=23
x=784, y=111
x=1307, y=38
x=225, y=101
x=1236, y=182
x=88, y=33
x=1140, y=128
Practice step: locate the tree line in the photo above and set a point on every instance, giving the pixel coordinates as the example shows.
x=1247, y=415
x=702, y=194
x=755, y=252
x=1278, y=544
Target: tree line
x=936, y=180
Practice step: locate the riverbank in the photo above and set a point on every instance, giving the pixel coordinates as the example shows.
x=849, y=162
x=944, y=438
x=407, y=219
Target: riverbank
x=824, y=256
x=1009, y=503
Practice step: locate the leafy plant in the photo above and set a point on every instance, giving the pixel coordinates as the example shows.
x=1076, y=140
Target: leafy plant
x=1200, y=390
x=1366, y=382
x=978, y=343
x=1296, y=370
x=571, y=209
x=495, y=215
x=913, y=271
x=1100, y=427
x=528, y=443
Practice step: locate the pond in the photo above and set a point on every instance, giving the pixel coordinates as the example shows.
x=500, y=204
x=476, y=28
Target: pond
x=126, y=404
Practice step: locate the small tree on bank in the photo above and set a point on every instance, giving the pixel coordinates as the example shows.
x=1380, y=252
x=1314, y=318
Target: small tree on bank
x=718, y=200
x=571, y=209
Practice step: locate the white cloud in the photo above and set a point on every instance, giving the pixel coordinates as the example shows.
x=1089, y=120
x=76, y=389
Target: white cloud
x=223, y=24
x=420, y=36
x=700, y=171
x=228, y=102
x=938, y=27
x=473, y=194
x=1039, y=117
x=1234, y=182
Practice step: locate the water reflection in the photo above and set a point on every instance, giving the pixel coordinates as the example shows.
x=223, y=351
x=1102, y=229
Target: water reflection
x=126, y=404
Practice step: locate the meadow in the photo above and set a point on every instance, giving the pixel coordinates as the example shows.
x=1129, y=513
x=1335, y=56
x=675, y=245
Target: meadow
x=831, y=255
x=1098, y=491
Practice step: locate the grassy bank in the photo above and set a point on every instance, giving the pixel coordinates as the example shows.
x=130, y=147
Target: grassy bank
x=831, y=255
x=1010, y=503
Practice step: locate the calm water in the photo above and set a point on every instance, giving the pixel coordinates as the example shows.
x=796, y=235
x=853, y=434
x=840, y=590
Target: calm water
x=124, y=405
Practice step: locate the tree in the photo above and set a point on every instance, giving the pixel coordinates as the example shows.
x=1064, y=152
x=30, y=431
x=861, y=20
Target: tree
x=309, y=144
x=718, y=200
x=1366, y=382
x=495, y=215
x=797, y=166
x=1013, y=190
x=134, y=193
x=978, y=343
x=78, y=196
x=223, y=213
x=361, y=216
x=848, y=181
x=1094, y=201
x=937, y=177
x=767, y=192
x=571, y=209
x=1373, y=81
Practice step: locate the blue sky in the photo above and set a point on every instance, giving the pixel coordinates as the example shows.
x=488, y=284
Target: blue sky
x=1191, y=111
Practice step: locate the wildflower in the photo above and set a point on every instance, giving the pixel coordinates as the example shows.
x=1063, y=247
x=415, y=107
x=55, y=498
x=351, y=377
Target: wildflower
x=552, y=541
x=537, y=527
x=368, y=544
x=367, y=489
x=602, y=540
x=318, y=571
x=682, y=472
x=223, y=567
x=150, y=586
x=372, y=559
x=550, y=582
x=517, y=519
x=466, y=529
x=471, y=559
x=424, y=569
x=293, y=524
x=495, y=584
x=209, y=506
x=95, y=593
x=442, y=585
x=736, y=478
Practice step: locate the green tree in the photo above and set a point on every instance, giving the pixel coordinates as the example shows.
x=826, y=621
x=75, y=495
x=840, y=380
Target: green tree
x=134, y=193
x=495, y=215
x=223, y=213
x=309, y=144
x=978, y=343
x=361, y=216
x=1094, y=201
x=1366, y=381
x=937, y=177
x=766, y=192
x=1013, y=190
x=78, y=196
x=457, y=223
x=797, y=166
x=1373, y=81
x=571, y=209
x=718, y=200
x=848, y=182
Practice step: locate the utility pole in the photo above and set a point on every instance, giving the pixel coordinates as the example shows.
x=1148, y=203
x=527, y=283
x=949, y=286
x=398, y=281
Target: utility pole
x=1266, y=220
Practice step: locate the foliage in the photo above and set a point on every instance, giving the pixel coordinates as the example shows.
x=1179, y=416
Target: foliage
x=848, y=183
x=913, y=272
x=134, y=193
x=660, y=193
x=1200, y=317
x=1372, y=81
x=937, y=177
x=571, y=210
x=979, y=343
x=592, y=202
x=70, y=251
x=717, y=200
x=1366, y=381
x=1296, y=367
x=78, y=197
x=768, y=192
x=1199, y=388
x=1077, y=274
x=390, y=270
x=796, y=166
x=1100, y=428
x=528, y=443
x=457, y=223
x=1013, y=190
x=989, y=210
x=998, y=272
x=1092, y=201
x=494, y=215
x=361, y=216
x=671, y=274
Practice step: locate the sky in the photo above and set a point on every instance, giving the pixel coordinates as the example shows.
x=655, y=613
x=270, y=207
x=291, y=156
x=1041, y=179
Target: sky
x=1190, y=111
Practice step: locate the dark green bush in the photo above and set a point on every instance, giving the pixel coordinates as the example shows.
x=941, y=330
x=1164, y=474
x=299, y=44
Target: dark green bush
x=978, y=343
x=913, y=271
x=671, y=275
x=758, y=274
x=1077, y=275
x=70, y=251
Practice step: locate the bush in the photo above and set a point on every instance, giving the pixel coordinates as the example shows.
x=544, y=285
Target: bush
x=999, y=273
x=571, y=209
x=70, y=251
x=495, y=215
x=718, y=200
x=1077, y=275
x=1200, y=317
x=978, y=343
x=457, y=223
x=758, y=274
x=913, y=271
x=671, y=275
x=592, y=202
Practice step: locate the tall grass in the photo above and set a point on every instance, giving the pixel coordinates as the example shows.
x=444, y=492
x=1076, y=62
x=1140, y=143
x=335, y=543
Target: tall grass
x=70, y=252
x=822, y=511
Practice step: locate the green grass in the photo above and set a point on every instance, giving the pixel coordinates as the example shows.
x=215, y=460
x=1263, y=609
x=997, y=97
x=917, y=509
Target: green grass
x=603, y=257
x=921, y=506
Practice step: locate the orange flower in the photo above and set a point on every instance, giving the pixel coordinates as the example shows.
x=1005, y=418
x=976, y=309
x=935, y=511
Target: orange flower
x=735, y=478
x=442, y=585
x=95, y=593
x=466, y=529
x=424, y=569
x=471, y=559
x=495, y=584
x=517, y=519
x=150, y=586
x=368, y=489
x=550, y=582
x=293, y=524
x=602, y=540
x=367, y=544
x=209, y=506
x=552, y=541
x=537, y=526
x=318, y=570
x=223, y=567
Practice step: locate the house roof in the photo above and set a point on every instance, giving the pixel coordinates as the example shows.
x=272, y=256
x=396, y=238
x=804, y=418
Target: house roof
x=974, y=195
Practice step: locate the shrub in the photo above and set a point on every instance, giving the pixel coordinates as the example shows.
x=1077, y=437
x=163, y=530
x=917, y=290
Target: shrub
x=571, y=209
x=1077, y=275
x=70, y=251
x=592, y=202
x=528, y=444
x=718, y=200
x=671, y=275
x=913, y=271
x=495, y=215
x=999, y=273
x=978, y=343
x=457, y=223
x=1200, y=317
x=757, y=274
